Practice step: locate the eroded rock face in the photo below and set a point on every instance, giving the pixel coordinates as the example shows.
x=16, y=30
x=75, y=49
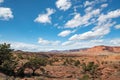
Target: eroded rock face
x=98, y=49
x=116, y=49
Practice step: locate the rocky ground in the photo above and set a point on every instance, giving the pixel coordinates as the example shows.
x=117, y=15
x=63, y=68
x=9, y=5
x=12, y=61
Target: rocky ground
x=108, y=66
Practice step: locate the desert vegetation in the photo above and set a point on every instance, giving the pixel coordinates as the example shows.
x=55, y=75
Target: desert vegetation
x=47, y=66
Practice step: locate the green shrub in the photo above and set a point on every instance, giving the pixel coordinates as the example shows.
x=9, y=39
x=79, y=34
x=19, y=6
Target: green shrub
x=85, y=77
x=90, y=68
x=35, y=63
x=69, y=61
x=77, y=63
x=8, y=63
x=5, y=52
x=8, y=67
x=20, y=56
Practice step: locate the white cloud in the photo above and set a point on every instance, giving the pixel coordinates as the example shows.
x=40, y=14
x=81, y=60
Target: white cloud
x=67, y=43
x=1, y=1
x=88, y=3
x=117, y=26
x=42, y=41
x=92, y=3
x=83, y=44
x=88, y=9
x=104, y=5
x=47, y=42
x=96, y=32
x=115, y=41
x=112, y=14
x=65, y=33
x=90, y=43
x=64, y=46
x=45, y=18
x=63, y=4
x=79, y=20
x=56, y=24
x=102, y=27
x=5, y=13
x=97, y=41
x=23, y=46
x=75, y=22
x=32, y=47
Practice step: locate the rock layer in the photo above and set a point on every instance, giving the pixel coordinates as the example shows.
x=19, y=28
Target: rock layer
x=99, y=49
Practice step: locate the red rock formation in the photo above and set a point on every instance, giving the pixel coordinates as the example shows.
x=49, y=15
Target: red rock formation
x=98, y=49
x=116, y=49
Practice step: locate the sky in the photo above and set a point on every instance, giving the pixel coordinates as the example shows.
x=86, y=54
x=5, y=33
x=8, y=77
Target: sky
x=44, y=25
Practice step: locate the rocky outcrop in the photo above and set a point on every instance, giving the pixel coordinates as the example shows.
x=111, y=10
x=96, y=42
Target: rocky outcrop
x=99, y=49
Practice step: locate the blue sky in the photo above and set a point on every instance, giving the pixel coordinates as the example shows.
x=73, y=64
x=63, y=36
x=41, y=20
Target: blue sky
x=43, y=25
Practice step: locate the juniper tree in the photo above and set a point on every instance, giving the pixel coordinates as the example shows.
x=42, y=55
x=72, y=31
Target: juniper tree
x=5, y=52
x=35, y=63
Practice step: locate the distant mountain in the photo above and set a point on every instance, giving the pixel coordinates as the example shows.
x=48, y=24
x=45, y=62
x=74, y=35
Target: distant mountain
x=76, y=50
x=105, y=48
x=101, y=49
x=94, y=50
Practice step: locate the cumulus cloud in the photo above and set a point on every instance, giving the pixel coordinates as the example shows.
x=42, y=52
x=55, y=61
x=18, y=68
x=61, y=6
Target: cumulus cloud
x=97, y=41
x=96, y=32
x=1, y=1
x=102, y=28
x=88, y=9
x=83, y=44
x=65, y=33
x=23, y=46
x=79, y=20
x=92, y=3
x=32, y=47
x=42, y=41
x=88, y=3
x=117, y=26
x=112, y=14
x=89, y=17
x=75, y=22
x=5, y=13
x=63, y=4
x=115, y=42
x=67, y=43
x=64, y=46
x=47, y=42
x=45, y=18
x=91, y=43
x=104, y=5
